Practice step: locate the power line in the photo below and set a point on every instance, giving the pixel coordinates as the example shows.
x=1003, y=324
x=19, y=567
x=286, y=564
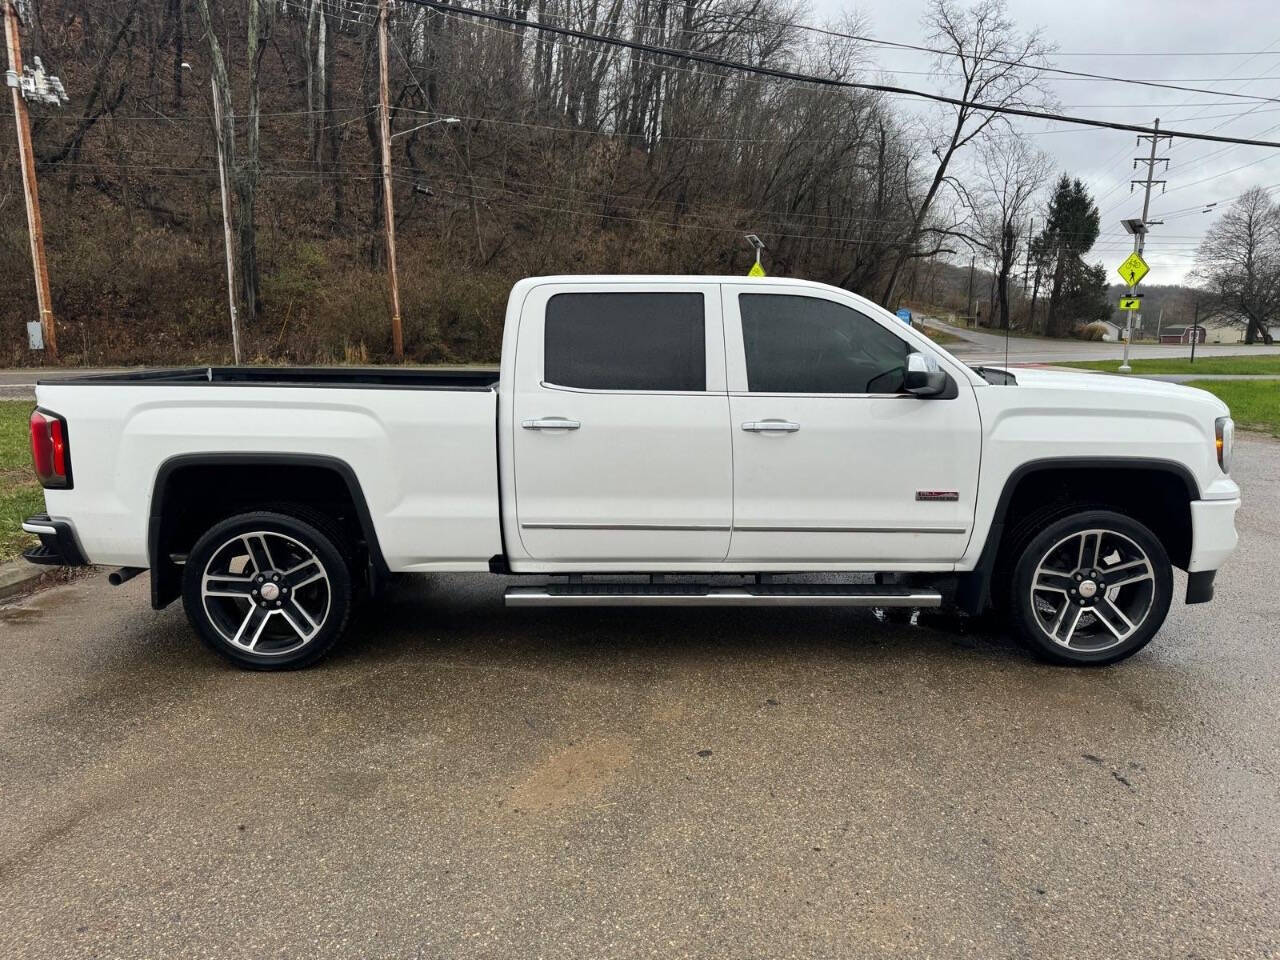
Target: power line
x=372, y=9
x=576, y=195
x=1199, y=208
x=1249, y=59
x=874, y=41
x=1224, y=122
x=622, y=134
x=561, y=205
x=696, y=57
x=1169, y=84
x=1212, y=176
x=1162, y=53
x=656, y=64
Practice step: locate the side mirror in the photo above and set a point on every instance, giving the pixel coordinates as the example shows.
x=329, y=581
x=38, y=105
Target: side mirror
x=923, y=377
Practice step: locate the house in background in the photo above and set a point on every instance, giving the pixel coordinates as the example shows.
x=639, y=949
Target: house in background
x=1183, y=335
x=1114, y=332
x=1228, y=329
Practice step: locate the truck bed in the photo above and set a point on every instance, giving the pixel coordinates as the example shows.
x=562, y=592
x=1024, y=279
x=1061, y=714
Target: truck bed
x=404, y=378
x=419, y=444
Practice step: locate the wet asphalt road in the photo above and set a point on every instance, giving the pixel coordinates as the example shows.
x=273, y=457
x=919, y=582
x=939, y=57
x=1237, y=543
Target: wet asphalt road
x=464, y=781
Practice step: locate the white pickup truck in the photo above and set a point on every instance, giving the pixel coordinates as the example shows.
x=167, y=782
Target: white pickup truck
x=740, y=431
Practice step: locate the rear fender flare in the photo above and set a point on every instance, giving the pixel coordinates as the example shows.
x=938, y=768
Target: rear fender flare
x=165, y=578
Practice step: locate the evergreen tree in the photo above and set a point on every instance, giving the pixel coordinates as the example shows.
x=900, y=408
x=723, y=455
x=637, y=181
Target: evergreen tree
x=1071, y=228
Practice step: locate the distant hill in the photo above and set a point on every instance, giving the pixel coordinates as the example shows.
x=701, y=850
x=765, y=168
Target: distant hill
x=1170, y=305
x=943, y=288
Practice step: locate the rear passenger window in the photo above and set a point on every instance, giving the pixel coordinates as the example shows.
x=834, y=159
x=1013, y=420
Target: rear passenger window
x=800, y=344
x=626, y=341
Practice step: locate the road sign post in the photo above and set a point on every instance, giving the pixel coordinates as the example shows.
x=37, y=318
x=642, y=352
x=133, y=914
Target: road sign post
x=1134, y=267
x=1132, y=271
x=756, y=269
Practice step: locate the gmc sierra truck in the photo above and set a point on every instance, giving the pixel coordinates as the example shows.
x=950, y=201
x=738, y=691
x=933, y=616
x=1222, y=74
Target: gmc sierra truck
x=641, y=430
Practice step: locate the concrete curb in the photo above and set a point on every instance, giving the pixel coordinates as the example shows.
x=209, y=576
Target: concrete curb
x=19, y=576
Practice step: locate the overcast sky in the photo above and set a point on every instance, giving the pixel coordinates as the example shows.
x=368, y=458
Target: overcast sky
x=1233, y=47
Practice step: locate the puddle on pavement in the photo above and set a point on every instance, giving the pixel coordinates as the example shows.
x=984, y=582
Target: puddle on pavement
x=30, y=607
x=20, y=614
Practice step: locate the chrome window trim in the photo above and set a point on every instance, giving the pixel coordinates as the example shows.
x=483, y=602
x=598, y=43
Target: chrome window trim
x=547, y=385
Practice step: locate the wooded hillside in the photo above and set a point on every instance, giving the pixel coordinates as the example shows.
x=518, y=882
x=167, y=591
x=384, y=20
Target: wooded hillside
x=570, y=156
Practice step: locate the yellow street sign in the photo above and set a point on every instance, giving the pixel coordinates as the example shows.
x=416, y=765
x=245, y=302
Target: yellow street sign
x=756, y=271
x=1130, y=303
x=1133, y=269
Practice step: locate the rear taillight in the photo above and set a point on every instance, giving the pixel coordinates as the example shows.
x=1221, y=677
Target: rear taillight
x=49, y=449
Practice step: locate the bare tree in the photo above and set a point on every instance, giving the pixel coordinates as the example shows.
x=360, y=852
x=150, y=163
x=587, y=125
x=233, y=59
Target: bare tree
x=996, y=66
x=572, y=156
x=1009, y=175
x=244, y=166
x=1239, y=263
x=313, y=60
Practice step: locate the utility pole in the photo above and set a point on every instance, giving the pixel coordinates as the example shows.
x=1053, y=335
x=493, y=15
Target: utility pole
x=1026, y=274
x=1140, y=235
x=1026, y=281
x=968, y=300
x=226, y=221
x=26, y=157
x=1195, y=331
x=384, y=96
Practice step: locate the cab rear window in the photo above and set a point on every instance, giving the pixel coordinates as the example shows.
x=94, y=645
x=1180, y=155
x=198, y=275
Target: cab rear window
x=626, y=341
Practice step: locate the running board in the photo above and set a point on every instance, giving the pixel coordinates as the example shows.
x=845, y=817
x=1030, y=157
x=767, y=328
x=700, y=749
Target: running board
x=706, y=595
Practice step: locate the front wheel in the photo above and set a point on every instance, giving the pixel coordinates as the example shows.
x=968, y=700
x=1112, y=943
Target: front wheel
x=268, y=591
x=1091, y=589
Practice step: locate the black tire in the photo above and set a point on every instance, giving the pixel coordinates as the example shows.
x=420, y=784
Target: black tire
x=1060, y=603
x=257, y=624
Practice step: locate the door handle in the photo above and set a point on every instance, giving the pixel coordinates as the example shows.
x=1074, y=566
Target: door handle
x=551, y=423
x=771, y=426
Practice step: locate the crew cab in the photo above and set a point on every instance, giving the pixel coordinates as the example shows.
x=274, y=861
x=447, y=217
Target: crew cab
x=650, y=441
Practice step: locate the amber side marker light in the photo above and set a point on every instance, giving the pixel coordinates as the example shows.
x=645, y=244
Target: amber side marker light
x=1224, y=429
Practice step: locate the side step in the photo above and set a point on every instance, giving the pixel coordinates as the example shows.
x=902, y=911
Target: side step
x=706, y=595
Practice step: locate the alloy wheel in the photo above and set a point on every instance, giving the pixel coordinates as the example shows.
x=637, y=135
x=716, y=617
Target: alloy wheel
x=1092, y=590
x=266, y=593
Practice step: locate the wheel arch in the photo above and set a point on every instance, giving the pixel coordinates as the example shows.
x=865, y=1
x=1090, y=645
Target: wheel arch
x=1095, y=480
x=212, y=477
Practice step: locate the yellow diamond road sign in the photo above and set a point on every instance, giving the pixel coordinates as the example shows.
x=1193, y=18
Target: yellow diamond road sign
x=1130, y=303
x=1133, y=269
x=756, y=271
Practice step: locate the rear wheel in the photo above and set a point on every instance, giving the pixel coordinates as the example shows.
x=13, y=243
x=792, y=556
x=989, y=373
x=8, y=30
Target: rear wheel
x=267, y=590
x=1090, y=589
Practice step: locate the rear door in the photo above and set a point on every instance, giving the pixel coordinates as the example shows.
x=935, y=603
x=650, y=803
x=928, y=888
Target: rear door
x=833, y=461
x=621, y=438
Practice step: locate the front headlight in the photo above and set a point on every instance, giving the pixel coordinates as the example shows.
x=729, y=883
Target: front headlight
x=1225, y=429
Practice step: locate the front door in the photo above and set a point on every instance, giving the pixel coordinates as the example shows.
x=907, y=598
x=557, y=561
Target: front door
x=833, y=461
x=621, y=434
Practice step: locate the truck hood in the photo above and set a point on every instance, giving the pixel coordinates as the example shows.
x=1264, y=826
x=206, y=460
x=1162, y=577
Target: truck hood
x=1127, y=389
